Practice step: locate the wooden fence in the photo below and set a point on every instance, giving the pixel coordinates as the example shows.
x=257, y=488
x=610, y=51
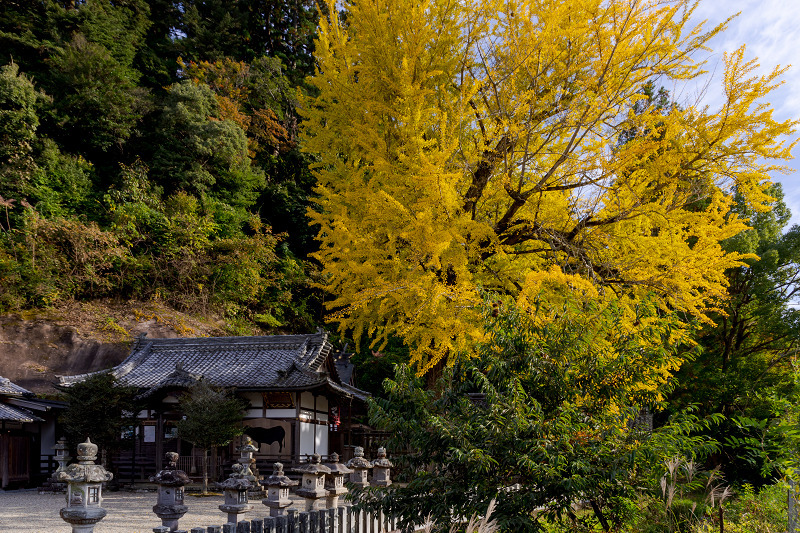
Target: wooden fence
x=339, y=520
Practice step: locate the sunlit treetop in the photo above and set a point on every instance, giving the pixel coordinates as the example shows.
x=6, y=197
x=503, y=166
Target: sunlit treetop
x=519, y=147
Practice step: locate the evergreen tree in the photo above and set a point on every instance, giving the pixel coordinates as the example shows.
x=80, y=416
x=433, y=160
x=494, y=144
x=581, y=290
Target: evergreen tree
x=745, y=369
x=211, y=418
x=101, y=409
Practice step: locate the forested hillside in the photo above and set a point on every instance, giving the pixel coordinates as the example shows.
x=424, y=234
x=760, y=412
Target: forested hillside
x=148, y=152
x=492, y=191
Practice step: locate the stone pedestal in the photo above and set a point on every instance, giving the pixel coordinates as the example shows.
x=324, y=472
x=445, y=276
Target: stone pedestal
x=278, y=486
x=360, y=467
x=334, y=482
x=380, y=470
x=313, y=482
x=84, y=490
x=235, y=490
x=170, y=480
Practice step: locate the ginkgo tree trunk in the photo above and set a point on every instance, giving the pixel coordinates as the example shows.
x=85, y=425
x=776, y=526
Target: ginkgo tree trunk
x=497, y=145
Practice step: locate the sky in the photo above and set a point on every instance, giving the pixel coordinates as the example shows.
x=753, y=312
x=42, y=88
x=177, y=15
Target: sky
x=771, y=31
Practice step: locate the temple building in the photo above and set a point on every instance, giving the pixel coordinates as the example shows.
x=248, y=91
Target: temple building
x=27, y=436
x=298, y=401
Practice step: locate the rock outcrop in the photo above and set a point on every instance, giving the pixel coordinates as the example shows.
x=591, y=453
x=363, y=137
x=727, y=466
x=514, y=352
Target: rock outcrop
x=35, y=347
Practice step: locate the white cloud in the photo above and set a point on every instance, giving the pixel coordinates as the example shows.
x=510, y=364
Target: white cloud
x=771, y=31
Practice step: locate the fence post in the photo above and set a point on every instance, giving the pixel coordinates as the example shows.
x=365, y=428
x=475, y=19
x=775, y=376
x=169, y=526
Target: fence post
x=269, y=525
x=256, y=525
x=282, y=524
x=331, y=519
x=229, y=528
x=313, y=521
x=243, y=527
x=304, y=522
x=198, y=530
x=214, y=529
x=293, y=523
x=343, y=514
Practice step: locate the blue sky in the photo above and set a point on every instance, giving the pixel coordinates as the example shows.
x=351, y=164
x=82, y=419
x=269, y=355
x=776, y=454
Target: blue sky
x=771, y=31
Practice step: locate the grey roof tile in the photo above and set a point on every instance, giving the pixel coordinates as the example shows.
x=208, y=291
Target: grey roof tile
x=266, y=362
x=8, y=388
x=17, y=414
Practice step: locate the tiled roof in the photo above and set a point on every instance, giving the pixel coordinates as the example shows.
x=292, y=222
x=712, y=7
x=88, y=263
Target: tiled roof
x=10, y=389
x=278, y=362
x=17, y=414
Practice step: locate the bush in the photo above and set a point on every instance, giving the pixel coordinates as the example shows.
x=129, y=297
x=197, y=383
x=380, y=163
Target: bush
x=751, y=512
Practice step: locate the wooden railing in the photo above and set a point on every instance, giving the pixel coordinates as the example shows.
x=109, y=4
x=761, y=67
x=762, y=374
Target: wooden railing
x=339, y=520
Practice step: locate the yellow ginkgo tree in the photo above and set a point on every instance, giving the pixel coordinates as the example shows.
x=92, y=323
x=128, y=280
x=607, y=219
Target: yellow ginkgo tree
x=508, y=146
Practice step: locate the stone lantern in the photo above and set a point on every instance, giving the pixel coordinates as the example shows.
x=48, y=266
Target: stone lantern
x=62, y=458
x=84, y=490
x=360, y=466
x=170, y=480
x=235, y=489
x=246, y=458
x=334, y=481
x=278, y=491
x=313, y=483
x=380, y=469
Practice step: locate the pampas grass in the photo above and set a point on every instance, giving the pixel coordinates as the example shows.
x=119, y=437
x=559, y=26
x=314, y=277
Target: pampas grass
x=475, y=524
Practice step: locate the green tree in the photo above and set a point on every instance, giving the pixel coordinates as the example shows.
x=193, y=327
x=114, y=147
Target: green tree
x=200, y=154
x=746, y=369
x=100, y=408
x=96, y=103
x=245, y=30
x=539, y=416
x=19, y=121
x=212, y=417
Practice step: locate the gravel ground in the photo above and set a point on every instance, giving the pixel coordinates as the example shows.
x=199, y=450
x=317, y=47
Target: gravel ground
x=128, y=512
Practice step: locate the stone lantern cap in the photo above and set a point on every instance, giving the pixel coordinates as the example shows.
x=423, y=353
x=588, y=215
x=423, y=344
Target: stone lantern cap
x=248, y=446
x=382, y=461
x=236, y=481
x=170, y=476
x=358, y=460
x=278, y=479
x=336, y=467
x=313, y=467
x=85, y=471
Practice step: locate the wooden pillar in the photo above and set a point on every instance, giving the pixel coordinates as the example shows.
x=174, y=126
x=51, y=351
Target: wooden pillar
x=350, y=423
x=315, y=422
x=159, y=441
x=296, y=439
x=3, y=460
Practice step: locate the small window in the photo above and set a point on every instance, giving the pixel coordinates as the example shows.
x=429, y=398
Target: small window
x=94, y=495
